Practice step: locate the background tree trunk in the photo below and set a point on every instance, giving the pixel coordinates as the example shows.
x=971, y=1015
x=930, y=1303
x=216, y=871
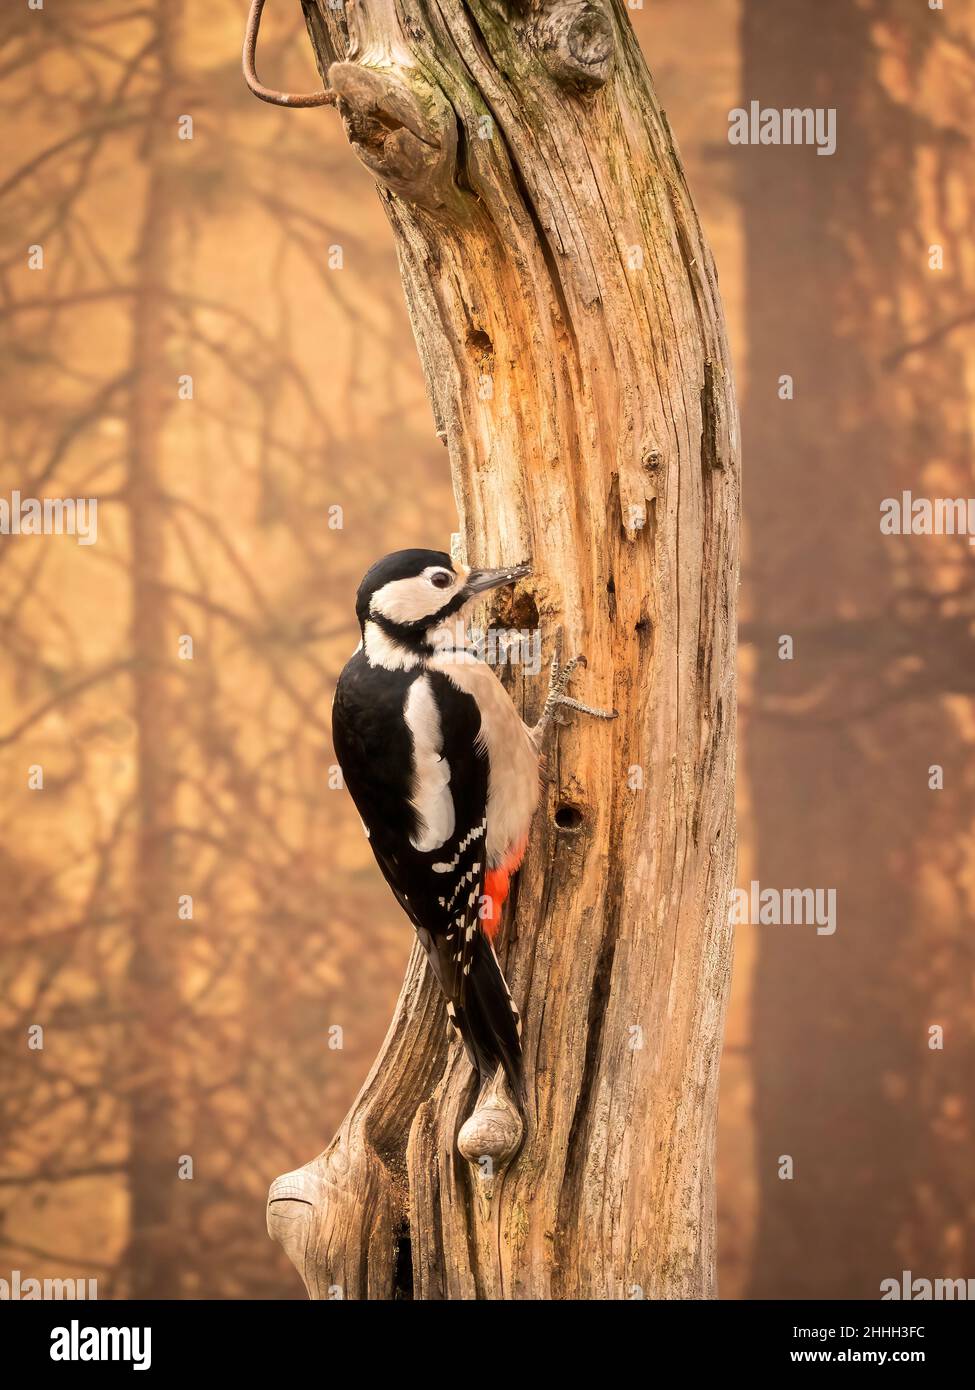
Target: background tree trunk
x=566, y=311
x=842, y=295
x=155, y=1213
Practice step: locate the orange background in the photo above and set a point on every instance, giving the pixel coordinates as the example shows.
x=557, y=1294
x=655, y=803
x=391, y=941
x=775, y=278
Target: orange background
x=169, y=1039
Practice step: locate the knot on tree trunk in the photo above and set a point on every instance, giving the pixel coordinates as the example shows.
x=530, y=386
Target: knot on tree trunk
x=491, y=1135
x=291, y=1203
x=575, y=41
x=406, y=137
x=335, y=1219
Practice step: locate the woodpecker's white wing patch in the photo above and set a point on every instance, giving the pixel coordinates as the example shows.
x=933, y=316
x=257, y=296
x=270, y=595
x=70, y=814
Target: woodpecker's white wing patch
x=431, y=798
x=513, y=792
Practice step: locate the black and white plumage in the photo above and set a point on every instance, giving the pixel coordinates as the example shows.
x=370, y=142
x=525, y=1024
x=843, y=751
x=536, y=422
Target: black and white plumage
x=444, y=775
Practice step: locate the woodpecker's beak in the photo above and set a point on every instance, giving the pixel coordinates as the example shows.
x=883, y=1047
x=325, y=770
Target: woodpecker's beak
x=480, y=581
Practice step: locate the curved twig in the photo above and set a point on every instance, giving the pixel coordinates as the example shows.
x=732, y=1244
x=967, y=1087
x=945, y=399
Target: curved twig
x=323, y=98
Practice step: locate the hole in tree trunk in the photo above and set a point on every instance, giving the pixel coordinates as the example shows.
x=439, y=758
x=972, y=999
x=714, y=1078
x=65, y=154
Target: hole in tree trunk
x=403, y=1265
x=568, y=817
x=480, y=343
x=516, y=608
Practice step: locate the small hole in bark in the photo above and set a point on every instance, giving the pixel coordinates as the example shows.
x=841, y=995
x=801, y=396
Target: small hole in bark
x=568, y=817
x=479, y=343
x=516, y=608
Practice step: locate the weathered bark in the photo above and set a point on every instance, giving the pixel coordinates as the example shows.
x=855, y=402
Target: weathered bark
x=566, y=311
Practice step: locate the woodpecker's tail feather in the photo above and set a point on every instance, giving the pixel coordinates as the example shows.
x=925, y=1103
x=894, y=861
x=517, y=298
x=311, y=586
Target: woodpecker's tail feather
x=487, y=1019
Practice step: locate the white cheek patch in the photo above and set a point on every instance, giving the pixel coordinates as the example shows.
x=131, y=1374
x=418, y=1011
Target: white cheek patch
x=431, y=797
x=409, y=600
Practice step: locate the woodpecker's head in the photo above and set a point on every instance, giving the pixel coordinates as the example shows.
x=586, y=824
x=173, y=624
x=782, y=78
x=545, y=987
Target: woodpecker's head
x=410, y=599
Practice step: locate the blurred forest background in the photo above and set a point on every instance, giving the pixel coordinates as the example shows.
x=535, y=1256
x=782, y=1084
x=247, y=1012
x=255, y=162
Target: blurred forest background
x=254, y=259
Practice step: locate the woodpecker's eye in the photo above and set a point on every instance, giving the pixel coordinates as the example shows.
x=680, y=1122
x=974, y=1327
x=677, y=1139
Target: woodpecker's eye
x=441, y=580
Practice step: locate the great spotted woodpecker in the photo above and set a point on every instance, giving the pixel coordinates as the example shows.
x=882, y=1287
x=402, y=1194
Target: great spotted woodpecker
x=445, y=777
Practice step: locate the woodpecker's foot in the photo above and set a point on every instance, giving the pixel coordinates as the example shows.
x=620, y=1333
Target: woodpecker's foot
x=557, y=700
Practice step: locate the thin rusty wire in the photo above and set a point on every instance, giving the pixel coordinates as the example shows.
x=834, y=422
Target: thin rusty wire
x=324, y=98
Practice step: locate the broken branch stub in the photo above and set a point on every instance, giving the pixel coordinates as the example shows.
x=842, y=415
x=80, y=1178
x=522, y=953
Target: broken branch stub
x=404, y=133
x=575, y=42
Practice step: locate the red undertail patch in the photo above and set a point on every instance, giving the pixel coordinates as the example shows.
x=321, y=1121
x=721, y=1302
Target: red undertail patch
x=497, y=883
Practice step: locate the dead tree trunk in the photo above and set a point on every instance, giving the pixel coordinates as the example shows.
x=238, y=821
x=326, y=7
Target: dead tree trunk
x=566, y=311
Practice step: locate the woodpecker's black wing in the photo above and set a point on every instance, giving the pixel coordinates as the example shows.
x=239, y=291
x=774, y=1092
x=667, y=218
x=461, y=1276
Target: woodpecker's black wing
x=437, y=874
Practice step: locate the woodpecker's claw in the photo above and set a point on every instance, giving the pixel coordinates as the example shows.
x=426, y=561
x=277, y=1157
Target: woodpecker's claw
x=557, y=700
